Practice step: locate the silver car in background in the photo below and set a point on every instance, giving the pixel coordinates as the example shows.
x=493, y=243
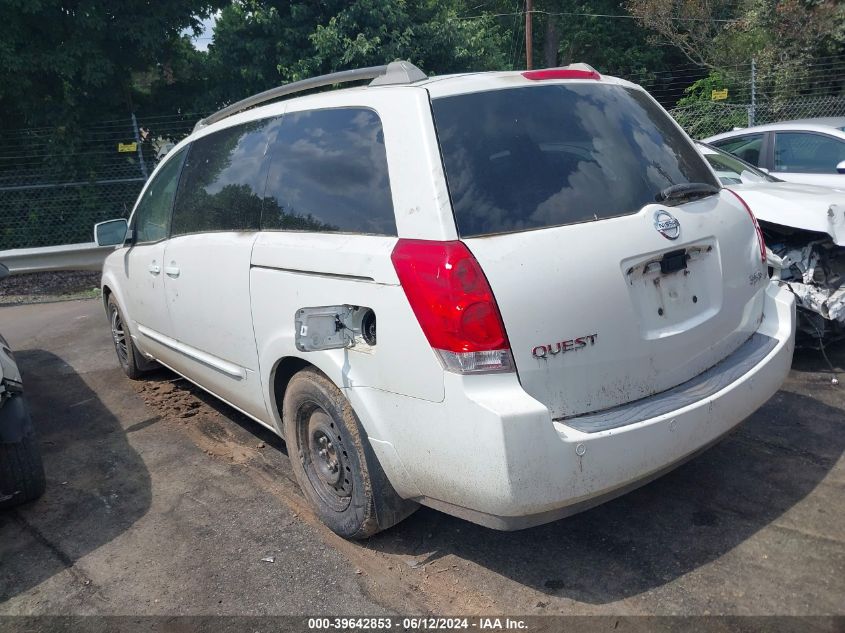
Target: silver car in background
x=809, y=151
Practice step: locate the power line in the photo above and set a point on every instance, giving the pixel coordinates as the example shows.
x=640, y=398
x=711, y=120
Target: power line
x=583, y=15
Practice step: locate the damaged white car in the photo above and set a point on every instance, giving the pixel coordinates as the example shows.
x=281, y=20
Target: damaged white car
x=804, y=227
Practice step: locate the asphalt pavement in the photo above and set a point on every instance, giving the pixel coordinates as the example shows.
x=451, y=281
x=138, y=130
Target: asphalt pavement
x=161, y=500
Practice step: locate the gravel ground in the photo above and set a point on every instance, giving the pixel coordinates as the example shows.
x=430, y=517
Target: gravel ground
x=49, y=287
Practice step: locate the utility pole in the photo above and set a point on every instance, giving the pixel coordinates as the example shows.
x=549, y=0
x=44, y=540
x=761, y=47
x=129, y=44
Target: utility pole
x=529, y=34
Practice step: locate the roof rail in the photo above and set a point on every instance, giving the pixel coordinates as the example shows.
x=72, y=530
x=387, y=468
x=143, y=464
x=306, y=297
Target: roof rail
x=392, y=73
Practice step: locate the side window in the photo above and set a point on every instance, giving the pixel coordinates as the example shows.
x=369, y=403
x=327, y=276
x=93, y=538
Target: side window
x=328, y=172
x=152, y=217
x=807, y=153
x=747, y=147
x=223, y=180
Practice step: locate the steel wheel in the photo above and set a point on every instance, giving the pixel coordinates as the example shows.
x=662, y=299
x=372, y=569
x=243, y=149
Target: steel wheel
x=118, y=334
x=324, y=457
x=333, y=461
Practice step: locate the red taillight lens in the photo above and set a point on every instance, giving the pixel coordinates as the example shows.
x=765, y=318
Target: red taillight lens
x=560, y=73
x=454, y=304
x=757, y=228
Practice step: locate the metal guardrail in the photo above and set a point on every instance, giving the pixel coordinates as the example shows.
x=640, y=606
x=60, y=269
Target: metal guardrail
x=86, y=256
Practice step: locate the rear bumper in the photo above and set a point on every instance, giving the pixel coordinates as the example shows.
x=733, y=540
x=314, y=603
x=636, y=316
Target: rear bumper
x=490, y=453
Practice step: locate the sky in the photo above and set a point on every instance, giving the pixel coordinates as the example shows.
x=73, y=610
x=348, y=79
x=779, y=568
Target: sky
x=201, y=43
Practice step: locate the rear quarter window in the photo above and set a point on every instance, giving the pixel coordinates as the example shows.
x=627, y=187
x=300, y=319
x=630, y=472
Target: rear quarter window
x=328, y=173
x=534, y=157
x=223, y=180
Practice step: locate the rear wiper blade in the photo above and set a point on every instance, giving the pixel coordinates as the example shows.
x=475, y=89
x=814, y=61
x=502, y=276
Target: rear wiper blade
x=686, y=191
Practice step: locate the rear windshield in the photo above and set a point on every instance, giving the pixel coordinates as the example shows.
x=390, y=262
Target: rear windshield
x=528, y=158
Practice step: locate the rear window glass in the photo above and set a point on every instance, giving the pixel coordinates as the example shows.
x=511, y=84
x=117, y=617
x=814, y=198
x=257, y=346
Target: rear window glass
x=328, y=173
x=223, y=180
x=527, y=158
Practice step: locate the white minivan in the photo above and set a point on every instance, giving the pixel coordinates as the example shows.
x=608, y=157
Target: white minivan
x=508, y=296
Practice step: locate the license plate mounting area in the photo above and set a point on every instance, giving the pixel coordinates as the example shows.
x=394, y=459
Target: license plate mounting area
x=673, y=261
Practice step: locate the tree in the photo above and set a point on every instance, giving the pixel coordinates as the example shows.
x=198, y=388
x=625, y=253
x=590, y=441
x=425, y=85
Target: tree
x=263, y=43
x=722, y=33
x=789, y=40
x=257, y=43
x=63, y=58
x=701, y=116
x=693, y=26
x=429, y=33
x=598, y=33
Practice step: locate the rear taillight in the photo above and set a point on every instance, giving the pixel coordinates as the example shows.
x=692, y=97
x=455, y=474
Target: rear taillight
x=454, y=305
x=760, y=240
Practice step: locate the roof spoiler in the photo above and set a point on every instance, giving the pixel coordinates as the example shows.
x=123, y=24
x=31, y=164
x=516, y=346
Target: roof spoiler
x=389, y=74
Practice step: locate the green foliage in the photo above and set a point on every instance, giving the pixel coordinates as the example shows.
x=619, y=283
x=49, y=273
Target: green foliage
x=260, y=44
x=68, y=64
x=782, y=35
x=701, y=116
x=701, y=119
x=63, y=58
x=429, y=34
x=66, y=61
x=702, y=90
x=613, y=46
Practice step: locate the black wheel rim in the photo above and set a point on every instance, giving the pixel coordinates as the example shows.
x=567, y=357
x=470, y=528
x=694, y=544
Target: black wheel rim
x=324, y=456
x=118, y=334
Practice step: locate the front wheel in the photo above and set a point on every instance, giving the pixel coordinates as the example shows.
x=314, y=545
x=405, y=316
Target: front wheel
x=333, y=461
x=130, y=359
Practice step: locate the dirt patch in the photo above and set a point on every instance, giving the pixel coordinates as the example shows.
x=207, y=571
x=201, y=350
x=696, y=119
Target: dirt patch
x=425, y=581
x=180, y=402
x=48, y=287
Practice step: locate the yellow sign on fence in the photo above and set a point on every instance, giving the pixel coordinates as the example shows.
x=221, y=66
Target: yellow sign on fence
x=719, y=95
x=127, y=147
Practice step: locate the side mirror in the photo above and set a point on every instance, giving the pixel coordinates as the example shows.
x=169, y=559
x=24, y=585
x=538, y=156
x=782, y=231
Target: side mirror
x=4, y=272
x=840, y=168
x=765, y=170
x=110, y=232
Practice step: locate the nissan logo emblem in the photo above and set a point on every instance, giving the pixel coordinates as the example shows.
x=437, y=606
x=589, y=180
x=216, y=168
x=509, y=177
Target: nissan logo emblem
x=666, y=224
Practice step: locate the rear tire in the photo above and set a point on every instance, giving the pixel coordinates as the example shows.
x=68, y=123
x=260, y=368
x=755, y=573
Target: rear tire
x=21, y=472
x=334, y=462
x=133, y=364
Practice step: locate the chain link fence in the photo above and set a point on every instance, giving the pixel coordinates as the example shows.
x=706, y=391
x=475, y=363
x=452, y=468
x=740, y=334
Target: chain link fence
x=708, y=118
x=56, y=184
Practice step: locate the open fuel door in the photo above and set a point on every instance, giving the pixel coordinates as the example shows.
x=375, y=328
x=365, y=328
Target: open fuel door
x=334, y=327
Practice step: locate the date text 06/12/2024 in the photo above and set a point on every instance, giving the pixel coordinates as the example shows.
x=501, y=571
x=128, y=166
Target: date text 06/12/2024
x=415, y=623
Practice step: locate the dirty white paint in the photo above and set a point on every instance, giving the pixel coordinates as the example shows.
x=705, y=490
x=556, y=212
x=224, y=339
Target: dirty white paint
x=485, y=445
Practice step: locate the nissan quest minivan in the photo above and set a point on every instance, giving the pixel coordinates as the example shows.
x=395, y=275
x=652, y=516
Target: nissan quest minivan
x=508, y=296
